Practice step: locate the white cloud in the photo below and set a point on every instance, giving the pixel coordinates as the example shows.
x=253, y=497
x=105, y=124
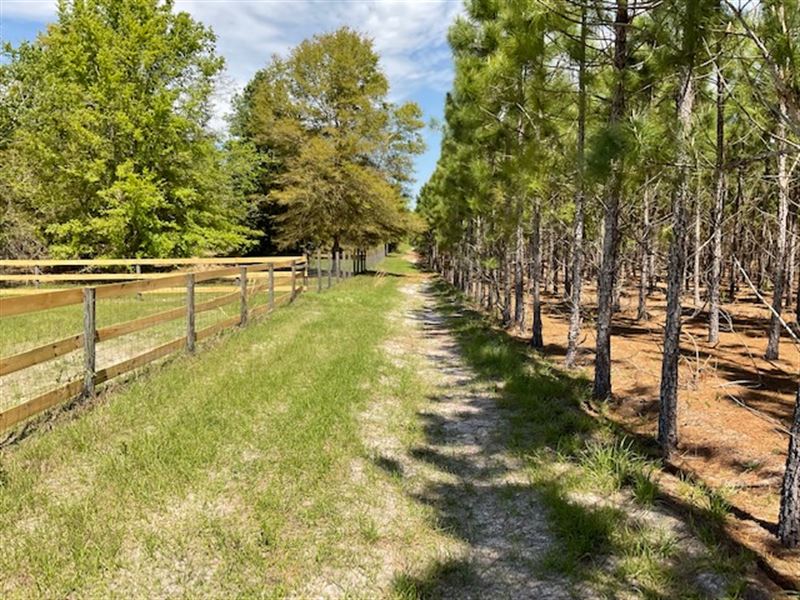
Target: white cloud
x=409, y=35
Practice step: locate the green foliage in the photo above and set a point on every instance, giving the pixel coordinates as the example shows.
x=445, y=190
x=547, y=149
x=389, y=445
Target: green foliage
x=104, y=134
x=337, y=156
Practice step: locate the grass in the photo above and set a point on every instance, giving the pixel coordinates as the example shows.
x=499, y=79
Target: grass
x=23, y=332
x=592, y=479
x=219, y=473
x=247, y=471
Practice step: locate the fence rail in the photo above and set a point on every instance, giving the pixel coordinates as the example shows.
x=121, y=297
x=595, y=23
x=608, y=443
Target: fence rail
x=253, y=277
x=152, y=262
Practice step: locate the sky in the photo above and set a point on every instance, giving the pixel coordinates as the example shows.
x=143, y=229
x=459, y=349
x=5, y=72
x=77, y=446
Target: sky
x=409, y=35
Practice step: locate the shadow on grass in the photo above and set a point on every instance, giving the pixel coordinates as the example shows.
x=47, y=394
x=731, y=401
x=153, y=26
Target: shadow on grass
x=580, y=543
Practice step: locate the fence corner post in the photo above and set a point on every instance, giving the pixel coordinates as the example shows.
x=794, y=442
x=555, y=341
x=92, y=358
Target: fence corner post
x=243, y=296
x=89, y=339
x=271, y=293
x=319, y=271
x=191, y=336
x=294, y=280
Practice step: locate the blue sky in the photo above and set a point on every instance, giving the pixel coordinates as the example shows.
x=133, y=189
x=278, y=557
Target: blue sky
x=409, y=35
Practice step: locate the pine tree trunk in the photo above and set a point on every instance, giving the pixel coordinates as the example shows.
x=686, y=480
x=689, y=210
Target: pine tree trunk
x=733, y=284
x=469, y=268
x=791, y=256
x=797, y=307
x=537, y=340
x=577, y=233
x=519, y=289
x=773, y=344
x=763, y=264
x=552, y=268
x=506, y=318
x=605, y=280
x=718, y=208
x=644, y=275
x=668, y=401
x=618, y=282
x=697, y=252
x=789, y=518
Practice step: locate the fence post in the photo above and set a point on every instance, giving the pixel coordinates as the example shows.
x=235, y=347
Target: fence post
x=319, y=271
x=36, y=271
x=89, y=333
x=294, y=278
x=305, y=275
x=190, y=330
x=271, y=286
x=243, y=296
x=330, y=270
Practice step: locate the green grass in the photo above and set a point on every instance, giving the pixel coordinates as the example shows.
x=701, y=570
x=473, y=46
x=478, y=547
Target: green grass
x=243, y=471
x=22, y=332
x=220, y=473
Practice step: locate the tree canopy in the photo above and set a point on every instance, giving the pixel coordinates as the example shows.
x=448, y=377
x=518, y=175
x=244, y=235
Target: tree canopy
x=336, y=154
x=104, y=144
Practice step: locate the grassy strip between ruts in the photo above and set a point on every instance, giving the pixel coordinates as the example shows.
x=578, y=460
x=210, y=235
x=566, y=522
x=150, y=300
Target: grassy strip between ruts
x=595, y=482
x=218, y=474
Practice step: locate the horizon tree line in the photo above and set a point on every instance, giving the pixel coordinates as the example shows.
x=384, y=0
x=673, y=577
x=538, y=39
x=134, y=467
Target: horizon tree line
x=106, y=148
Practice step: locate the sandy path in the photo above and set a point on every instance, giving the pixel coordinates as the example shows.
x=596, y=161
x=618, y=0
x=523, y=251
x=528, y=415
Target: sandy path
x=479, y=492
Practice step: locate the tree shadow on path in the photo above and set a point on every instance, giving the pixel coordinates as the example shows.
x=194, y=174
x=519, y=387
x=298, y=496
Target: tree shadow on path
x=496, y=413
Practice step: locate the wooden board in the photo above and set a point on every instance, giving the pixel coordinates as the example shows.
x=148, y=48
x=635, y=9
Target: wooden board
x=115, y=290
x=78, y=277
x=21, y=412
x=208, y=288
x=215, y=302
x=68, y=277
x=119, y=329
x=41, y=354
x=153, y=262
x=217, y=327
x=140, y=360
x=36, y=302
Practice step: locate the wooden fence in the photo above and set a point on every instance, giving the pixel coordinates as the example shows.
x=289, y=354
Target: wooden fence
x=252, y=276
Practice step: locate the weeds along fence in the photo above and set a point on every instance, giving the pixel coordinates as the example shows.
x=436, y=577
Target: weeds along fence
x=98, y=332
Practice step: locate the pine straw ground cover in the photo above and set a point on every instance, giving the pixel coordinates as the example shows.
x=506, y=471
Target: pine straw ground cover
x=735, y=407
